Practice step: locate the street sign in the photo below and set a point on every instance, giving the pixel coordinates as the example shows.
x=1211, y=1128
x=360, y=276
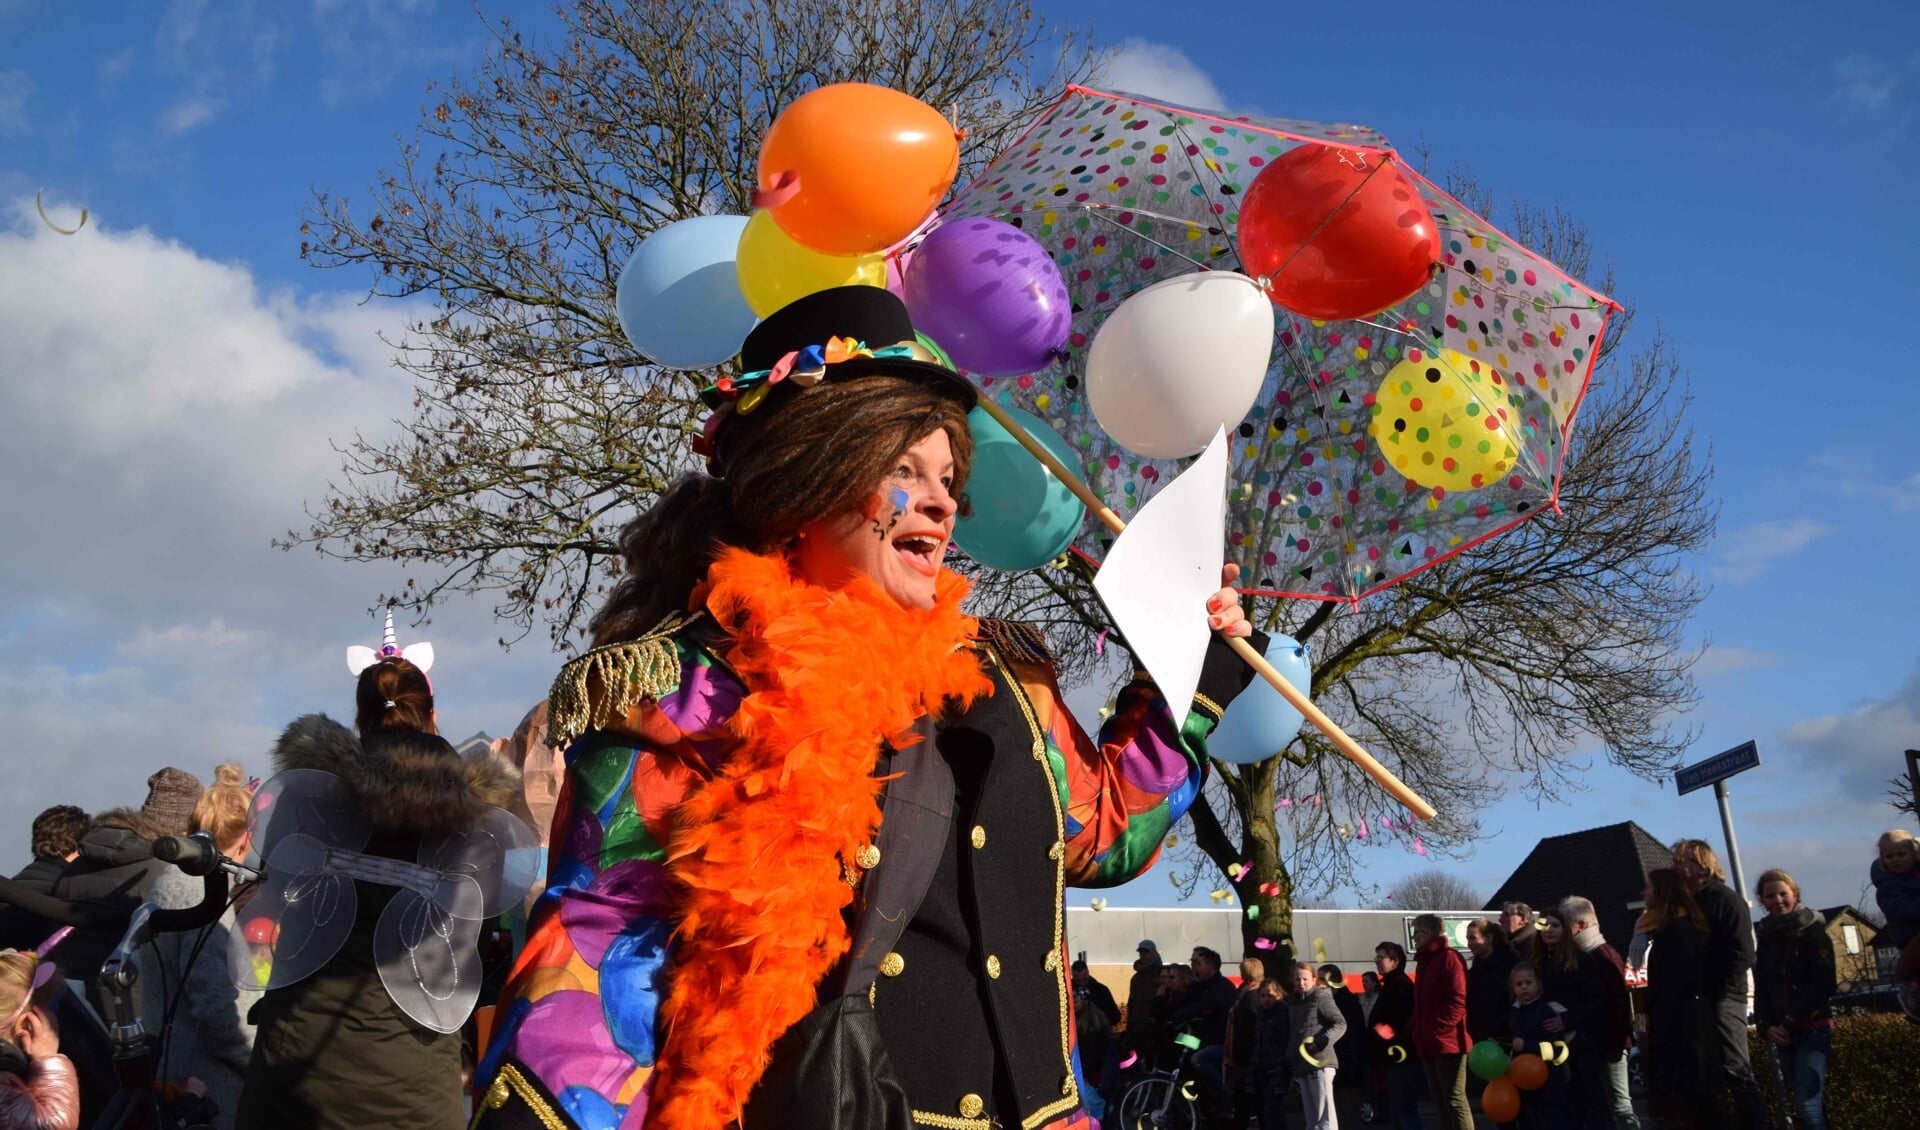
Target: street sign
x=1739, y=759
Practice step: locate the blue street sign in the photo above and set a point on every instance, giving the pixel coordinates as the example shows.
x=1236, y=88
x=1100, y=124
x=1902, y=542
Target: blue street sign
x=1739, y=759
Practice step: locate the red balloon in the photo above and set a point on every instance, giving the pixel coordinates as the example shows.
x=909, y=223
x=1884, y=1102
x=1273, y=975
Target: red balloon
x=1339, y=233
x=261, y=931
x=1500, y=1101
x=1528, y=1072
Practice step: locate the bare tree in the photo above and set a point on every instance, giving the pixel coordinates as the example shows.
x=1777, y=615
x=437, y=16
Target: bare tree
x=1433, y=888
x=536, y=428
x=1492, y=669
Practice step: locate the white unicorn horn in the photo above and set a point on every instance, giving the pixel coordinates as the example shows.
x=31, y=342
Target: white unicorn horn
x=388, y=639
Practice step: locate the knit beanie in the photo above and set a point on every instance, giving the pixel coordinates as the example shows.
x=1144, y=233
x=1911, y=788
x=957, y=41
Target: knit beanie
x=171, y=795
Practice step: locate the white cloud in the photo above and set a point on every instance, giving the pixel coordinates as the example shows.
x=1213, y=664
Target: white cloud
x=1861, y=747
x=1719, y=660
x=188, y=113
x=1163, y=72
x=112, y=68
x=1748, y=552
x=1865, y=82
x=15, y=88
x=169, y=418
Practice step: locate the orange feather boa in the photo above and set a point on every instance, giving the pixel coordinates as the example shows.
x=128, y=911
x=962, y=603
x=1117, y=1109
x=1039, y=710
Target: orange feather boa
x=756, y=853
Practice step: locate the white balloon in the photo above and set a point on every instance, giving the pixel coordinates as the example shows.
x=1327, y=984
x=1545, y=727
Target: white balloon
x=1180, y=360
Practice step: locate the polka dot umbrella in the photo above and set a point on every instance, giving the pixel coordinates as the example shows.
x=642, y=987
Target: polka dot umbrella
x=1379, y=444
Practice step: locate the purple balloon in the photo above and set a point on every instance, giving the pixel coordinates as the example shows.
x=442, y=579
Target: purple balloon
x=991, y=296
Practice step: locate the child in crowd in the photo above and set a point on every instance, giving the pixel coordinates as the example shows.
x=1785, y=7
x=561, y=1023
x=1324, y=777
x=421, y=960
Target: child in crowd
x=38, y=1087
x=1896, y=886
x=1314, y=1027
x=1546, y=1108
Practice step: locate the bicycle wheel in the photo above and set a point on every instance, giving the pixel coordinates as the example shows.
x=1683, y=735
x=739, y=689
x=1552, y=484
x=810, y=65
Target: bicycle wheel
x=1157, y=1104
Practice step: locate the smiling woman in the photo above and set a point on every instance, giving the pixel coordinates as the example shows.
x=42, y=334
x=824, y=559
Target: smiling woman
x=731, y=934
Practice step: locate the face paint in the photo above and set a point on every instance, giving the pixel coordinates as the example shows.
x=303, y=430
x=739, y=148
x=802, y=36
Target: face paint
x=898, y=499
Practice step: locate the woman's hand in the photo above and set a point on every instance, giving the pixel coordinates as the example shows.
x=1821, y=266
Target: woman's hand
x=1779, y=1036
x=1224, y=614
x=1554, y=1024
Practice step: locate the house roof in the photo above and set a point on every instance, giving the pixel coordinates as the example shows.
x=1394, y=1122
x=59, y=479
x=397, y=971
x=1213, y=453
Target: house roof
x=1608, y=865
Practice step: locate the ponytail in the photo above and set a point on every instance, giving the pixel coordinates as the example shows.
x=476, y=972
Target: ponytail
x=393, y=696
x=222, y=810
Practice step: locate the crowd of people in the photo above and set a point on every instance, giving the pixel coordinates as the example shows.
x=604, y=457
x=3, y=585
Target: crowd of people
x=1538, y=982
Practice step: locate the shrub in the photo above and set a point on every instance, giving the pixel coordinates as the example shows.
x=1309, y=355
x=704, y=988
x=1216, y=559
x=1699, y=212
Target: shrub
x=1870, y=1083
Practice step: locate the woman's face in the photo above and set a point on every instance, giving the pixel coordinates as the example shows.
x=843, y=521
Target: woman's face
x=1553, y=931
x=898, y=537
x=1778, y=898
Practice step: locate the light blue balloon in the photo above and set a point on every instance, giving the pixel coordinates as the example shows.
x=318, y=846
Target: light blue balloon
x=679, y=295
x=1260, y=723
x=1023, y=517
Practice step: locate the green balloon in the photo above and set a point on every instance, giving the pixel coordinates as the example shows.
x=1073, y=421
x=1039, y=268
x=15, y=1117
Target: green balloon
x=1022, y=517
x=1488, y=1060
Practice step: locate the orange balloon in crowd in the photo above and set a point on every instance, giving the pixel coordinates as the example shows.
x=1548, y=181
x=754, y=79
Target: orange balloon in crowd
x=1338, y=233
x=1528, y=1072
x=853, y=168
x=1500, y=1101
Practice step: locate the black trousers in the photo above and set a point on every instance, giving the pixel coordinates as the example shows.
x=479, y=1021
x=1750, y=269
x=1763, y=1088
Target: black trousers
x=1726, y=1067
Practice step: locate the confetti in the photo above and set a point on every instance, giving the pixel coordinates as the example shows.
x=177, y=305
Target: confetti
x=1345, y=832
x=1132, y=1058
x=1173, y=841
x=74, y=230
x=1361, y=832
x=1418, y=847
x=1307, y=1055
x=1397, y=1054
x=1264, y=943
x=1233, y=870
x=1320, y=951
x=1253, y=913
x=1172, y=878
x=1218, y=895
x=1100, y=643
x=1097, y=904
x=1270, y=889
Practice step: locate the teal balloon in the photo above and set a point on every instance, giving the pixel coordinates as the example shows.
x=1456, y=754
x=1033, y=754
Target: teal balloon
x=1023, y=517
x=679, y=297
x=1488, y=1060
x=1260, y=723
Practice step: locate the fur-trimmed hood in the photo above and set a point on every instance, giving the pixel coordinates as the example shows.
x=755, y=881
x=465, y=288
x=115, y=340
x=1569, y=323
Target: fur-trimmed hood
x=400, y=788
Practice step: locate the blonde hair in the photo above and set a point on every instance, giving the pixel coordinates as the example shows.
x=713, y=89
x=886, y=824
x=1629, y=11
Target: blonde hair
x=1894, y=836
x=1777, y=876
x=16, y=981
x=1700, y=853
x=222, y=809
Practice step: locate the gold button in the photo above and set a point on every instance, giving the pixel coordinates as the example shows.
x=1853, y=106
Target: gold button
x=1057, y=850
x=497, y=1094
x=979, y=837
x=971, y=1105
x=892, y=965
x=869, y=857
x=1053, y=960
x=993, y=967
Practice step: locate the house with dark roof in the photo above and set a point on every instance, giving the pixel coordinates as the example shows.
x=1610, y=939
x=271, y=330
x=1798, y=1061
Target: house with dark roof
x=1607, y=865
x=1853, y=957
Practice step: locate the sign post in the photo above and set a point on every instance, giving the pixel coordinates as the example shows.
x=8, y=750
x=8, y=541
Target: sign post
x=1715, y=771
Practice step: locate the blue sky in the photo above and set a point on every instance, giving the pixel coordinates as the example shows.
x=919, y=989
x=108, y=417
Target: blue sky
x=1747, y=169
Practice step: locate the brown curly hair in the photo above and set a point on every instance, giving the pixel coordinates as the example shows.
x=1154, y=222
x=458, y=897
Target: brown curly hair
x=823, y=452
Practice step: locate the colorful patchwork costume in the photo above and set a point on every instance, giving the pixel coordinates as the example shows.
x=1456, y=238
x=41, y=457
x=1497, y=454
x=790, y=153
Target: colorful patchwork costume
x=723, y=888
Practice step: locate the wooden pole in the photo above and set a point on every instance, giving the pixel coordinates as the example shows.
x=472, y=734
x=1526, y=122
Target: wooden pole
x=1298, y=700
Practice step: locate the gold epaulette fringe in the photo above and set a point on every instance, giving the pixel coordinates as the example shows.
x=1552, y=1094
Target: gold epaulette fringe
x=624, y=674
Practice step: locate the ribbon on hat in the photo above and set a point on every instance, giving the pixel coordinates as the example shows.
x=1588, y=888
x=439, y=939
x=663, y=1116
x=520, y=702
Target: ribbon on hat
x=804, y=367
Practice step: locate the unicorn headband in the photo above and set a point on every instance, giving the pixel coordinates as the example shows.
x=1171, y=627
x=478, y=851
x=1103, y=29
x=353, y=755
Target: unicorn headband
x=44, y=972
x=419, y=654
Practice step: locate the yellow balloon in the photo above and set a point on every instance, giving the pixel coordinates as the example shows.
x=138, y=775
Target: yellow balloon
x=1443, y=421
x=775, y=270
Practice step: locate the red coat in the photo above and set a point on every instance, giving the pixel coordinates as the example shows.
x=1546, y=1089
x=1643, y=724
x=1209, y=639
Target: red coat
x=1440, y=1003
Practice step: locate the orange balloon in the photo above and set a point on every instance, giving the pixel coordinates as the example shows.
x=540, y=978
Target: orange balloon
x=1500, y=1101
x=1528, y=1072
x=853, y=168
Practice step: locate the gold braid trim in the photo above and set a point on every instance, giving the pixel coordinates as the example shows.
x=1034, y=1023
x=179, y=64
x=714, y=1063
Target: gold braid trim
x=508, y=1083
x=597, y=689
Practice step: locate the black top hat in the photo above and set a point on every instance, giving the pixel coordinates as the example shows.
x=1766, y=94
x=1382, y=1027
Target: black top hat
x=848, y=331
